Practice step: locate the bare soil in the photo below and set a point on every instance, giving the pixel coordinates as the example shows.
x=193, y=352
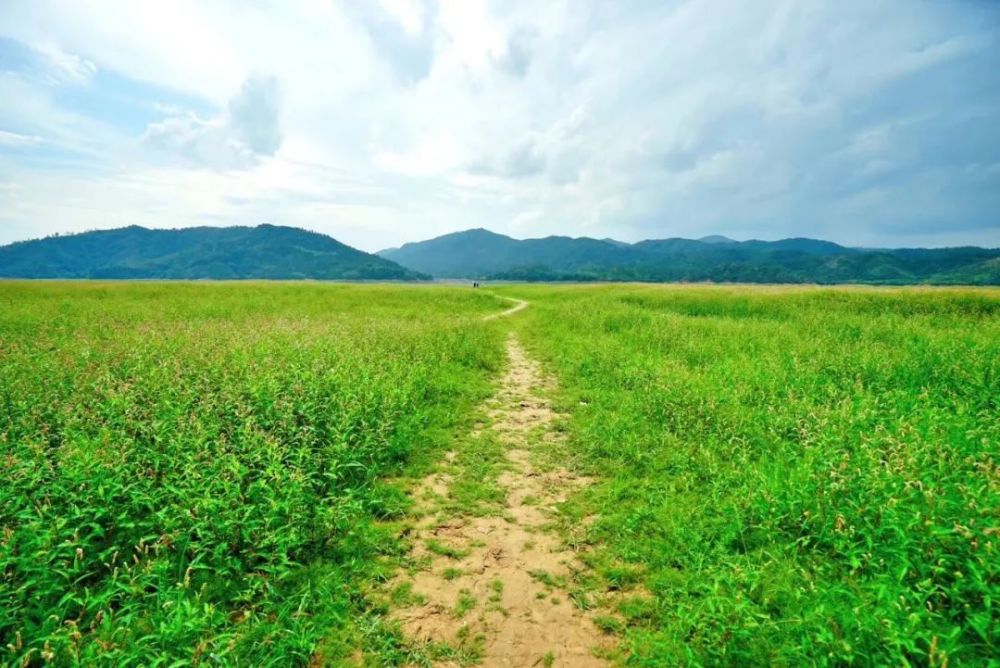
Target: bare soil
x=496, y=585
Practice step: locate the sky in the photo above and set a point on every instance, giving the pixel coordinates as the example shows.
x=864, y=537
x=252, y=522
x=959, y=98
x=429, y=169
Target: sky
x=378, y=122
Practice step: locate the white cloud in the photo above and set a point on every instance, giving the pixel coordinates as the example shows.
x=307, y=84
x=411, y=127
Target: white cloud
x=254, y=115
x=15, y=140
x=400, y=119
x=237, y=139
x=209, y=143
x=66, y=67
x=409, y=14
x=428, y=158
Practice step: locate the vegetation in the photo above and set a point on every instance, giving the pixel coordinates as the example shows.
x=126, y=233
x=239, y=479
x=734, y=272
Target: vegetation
x=215, y=472
x=480, y=253
x=265, y=251
x=194, y=473
x=273, y=252
x=785, y=476
x=483, y=254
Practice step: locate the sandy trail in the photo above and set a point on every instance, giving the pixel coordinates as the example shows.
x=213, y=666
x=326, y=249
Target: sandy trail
x=519, y=304
x=496, y=584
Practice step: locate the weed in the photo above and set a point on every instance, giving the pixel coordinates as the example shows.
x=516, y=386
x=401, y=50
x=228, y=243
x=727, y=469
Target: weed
x=403, y=595
x=609, y=624
x=466, y=602
x=450, y=551
x=547, y=578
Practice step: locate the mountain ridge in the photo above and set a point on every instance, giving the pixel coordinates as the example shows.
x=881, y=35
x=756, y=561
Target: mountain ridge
x=483, y=254
x=278, y=252
x=236, y=252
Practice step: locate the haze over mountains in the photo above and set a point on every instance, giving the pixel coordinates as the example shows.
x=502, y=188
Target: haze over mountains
x=275, y=252
x=483, y=254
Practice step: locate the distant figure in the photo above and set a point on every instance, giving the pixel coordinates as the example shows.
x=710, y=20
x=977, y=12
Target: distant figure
x=475, y=284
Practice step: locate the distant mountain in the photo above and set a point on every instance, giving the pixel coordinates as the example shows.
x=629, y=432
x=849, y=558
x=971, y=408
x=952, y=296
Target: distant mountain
x=480, y=253
x=265, y=251
x=483, y=254
x=615, y=242
x=979, y=273
x=460, y=255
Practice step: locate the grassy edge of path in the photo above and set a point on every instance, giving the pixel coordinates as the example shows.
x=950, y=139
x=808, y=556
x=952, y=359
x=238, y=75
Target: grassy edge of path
x=776, y=466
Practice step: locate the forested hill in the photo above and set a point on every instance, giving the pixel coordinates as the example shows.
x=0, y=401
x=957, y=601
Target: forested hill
x=482, y=254
x=265, y=251
x=273, y=252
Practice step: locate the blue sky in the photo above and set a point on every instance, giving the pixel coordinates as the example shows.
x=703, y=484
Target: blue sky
x=385, y=121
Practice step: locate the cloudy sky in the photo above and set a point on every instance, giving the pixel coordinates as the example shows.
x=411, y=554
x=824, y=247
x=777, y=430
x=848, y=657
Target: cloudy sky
x=384, y=121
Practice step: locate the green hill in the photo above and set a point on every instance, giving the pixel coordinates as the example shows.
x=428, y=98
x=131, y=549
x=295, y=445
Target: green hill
x=483, y=254
x=460, y=255
x=265, y=251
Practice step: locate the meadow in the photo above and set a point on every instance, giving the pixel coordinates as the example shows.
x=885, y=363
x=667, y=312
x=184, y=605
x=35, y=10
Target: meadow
x=196, y=473
x=217, y=473
x=785, y=476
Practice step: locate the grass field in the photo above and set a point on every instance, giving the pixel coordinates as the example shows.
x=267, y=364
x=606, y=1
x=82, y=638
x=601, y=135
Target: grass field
x=203, y=473
x=795, y=476
x=192, y=471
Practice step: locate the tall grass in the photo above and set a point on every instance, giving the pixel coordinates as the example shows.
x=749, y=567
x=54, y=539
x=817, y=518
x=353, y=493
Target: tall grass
x=796, y=477
x=191, y=472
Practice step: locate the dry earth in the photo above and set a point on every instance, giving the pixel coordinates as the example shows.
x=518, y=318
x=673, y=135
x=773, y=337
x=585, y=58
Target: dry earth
x=495, y=586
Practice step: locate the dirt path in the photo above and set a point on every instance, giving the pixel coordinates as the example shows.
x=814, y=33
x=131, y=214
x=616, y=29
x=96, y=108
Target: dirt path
x=494, y=588
x=519, y=304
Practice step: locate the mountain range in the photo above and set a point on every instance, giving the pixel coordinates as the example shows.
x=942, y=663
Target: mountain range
x=265, y=251
x=483, y=254
x=276, y=252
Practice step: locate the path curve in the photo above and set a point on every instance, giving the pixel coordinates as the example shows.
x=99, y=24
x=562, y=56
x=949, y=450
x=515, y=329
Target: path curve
x=519, y=305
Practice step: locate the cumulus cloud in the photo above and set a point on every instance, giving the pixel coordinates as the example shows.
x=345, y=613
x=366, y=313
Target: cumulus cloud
x=525, y=158
x=866, y=123
x=237, y=139
x=558, y=150
x=516, y=57
x=254, y=115
x=399, y=34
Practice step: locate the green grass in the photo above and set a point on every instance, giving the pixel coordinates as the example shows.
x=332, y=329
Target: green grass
x=608, y=624
x=403, y=595
x=466, y=602
x=196, y=472
x=785, y=476
x=215, y=472
x=473, y=470
x=547, y=579
x=450, y=551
